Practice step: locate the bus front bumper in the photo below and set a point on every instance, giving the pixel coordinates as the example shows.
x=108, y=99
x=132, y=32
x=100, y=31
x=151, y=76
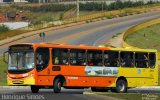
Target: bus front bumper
x=24, y=81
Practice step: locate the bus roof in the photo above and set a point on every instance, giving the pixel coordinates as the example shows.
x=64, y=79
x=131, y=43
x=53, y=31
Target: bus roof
x=134, y=49
x=83, y=46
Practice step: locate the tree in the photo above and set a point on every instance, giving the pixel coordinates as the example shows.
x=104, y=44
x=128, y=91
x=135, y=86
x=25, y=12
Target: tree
x=4, y=28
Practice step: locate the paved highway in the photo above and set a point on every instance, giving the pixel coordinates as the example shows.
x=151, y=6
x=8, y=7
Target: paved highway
x=66, y=94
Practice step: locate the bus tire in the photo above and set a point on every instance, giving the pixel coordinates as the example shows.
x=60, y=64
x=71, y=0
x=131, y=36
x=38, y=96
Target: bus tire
x=34, y=89
x=121, y=86
x=57, y=85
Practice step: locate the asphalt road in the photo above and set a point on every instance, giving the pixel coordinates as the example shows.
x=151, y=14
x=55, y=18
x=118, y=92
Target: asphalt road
x=47, y=94
x=94, y=33
x=66, y=94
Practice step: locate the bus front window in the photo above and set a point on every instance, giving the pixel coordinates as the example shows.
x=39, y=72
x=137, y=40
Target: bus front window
x=21, y=60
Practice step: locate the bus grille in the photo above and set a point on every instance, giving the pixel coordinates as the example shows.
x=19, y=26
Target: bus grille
x=18, y=82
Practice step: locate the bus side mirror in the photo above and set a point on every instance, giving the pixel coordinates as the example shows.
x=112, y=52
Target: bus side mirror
x=5, y=57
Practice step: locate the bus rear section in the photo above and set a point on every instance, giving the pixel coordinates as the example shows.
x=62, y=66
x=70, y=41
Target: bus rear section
x=142, y=69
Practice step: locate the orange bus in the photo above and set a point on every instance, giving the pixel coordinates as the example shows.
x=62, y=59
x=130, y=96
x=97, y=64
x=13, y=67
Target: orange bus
x=47, y=65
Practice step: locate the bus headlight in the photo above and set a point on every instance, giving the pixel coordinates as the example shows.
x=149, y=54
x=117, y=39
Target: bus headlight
x=25, y=75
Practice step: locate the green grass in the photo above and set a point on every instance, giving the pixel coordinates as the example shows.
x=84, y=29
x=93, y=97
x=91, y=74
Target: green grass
x=123, y=14
x=147, y=38
x=132, y=96
x=4, y=35
x=3, y=68
x=159, y=77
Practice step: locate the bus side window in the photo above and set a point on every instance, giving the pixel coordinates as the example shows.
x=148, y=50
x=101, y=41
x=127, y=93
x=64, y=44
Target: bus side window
x=152, y=60
x=42, y=58
x=77, y=57
x=60, y=56
x=106, y=59
x=126, y=59
x=141, y=60
x=113, y=58
x=94, y=58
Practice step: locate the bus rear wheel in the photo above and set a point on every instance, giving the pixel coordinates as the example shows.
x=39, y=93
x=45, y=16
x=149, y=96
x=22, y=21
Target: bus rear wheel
x=121, y=86
x=34, y=89
x=57, y=85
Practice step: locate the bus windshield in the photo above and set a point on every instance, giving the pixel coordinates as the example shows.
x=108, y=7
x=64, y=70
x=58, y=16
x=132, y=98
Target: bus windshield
x=21, y=60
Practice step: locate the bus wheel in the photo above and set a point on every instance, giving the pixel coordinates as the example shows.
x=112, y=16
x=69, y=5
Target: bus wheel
x=34, y=89
x=121, y=86
x=57, y=85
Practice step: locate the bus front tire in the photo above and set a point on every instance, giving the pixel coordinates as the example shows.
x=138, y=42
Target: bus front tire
x=34, y=89
x=121, y=86
x=57, y=86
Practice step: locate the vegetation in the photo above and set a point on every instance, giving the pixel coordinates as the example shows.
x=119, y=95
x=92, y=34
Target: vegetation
x=3, y=75
x=145, y=38
x=61, y=16
x=39, y=16
x=133, y=96
x=89, y=6
x=11, y=33
x=4, y=28
x=42, y=19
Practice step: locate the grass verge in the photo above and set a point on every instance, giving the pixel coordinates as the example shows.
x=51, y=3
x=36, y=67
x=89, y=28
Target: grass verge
x=147, y=38
x=3, y=68
x=11, y=33
x=132, y=96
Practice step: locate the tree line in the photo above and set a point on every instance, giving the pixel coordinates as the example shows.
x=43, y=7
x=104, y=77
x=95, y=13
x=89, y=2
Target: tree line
x=89, y=6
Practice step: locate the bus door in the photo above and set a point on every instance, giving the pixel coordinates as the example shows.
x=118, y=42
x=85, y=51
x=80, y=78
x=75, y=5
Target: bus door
x=42, y=66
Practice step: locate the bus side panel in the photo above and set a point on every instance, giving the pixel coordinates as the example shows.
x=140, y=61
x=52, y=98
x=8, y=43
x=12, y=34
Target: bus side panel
x=137, y=76
x=44, y=80
x=76, y=76
x=156, y=71
x=91, y=76
x=90, y=81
